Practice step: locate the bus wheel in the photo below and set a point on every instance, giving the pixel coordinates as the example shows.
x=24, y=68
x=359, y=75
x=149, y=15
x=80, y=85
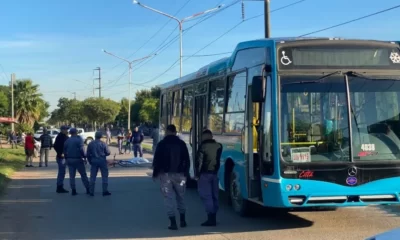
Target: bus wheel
x=239, y=204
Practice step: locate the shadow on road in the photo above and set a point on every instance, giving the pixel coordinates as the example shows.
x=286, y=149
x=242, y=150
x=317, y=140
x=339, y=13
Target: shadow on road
x=32, y=210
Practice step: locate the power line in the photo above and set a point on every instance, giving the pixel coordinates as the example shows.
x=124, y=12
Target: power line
x=229, y=30
x=240, y=23
x=209, y=55
x=351, y=21
x=167, y=45
x=154, y=35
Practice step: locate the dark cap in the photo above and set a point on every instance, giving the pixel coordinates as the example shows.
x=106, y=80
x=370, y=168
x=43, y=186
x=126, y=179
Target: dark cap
x=73, y=131
x=64, y=127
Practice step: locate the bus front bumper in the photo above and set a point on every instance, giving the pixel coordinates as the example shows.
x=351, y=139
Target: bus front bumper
x=311, y=193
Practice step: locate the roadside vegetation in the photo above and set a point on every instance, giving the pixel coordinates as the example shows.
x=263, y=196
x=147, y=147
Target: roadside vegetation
x=11, y=160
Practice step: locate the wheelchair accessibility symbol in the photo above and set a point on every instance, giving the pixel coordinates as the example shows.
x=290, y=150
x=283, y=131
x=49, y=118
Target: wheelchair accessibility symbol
x=285, y=59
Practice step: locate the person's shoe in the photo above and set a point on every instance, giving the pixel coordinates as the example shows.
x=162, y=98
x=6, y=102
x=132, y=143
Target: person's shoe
x=173, y=225
x=26, y=165
x=60, y=189
x=106, y=193
x=183, y=220
x=87, y=191
x=91, y=194
x=211, y=221
x=31, y=166
x=74, y=193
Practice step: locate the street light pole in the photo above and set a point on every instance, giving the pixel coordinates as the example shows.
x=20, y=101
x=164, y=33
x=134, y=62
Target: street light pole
x=267, y=19
x=130, y=79
x=180, y=22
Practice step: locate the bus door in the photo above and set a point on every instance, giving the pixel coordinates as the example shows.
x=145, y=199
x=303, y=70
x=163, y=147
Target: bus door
x=251, y=146
x=199, y=123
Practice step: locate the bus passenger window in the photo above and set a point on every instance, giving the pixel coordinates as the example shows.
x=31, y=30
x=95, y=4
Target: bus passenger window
x=217, y=101
x=187, y=109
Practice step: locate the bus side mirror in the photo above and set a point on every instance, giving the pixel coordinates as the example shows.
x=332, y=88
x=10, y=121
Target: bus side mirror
x=258, y=89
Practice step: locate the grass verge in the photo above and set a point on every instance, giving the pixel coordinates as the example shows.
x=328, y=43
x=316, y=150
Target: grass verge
x=11, y=160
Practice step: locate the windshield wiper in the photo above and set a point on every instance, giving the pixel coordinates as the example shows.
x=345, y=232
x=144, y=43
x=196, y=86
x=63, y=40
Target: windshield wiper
x=360, y=75
x=319, y=80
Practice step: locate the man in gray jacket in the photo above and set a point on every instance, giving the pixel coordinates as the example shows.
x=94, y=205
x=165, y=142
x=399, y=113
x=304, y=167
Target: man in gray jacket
x=97, y=153
x=74, y=157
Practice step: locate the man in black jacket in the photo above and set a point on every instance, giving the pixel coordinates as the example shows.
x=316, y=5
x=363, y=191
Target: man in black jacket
x=171, y=165
x=59, y=147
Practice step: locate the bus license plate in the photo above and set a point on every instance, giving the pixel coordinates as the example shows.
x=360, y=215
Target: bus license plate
x=300, y=154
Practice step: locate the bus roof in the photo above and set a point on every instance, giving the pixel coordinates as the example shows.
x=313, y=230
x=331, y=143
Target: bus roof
x=226, y=63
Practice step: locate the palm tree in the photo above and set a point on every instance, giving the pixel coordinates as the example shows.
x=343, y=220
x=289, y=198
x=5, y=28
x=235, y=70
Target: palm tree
x=28, y=102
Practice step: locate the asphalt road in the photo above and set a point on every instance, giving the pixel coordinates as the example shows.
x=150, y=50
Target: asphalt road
x=32, y=210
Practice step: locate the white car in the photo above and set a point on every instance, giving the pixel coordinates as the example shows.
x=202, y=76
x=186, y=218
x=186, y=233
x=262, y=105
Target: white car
x=53, y=133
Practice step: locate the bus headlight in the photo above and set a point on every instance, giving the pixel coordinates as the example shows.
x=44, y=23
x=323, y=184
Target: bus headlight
x=297, y=187
x=288, y=187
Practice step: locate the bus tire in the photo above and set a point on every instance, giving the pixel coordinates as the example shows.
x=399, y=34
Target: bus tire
x=239, y=204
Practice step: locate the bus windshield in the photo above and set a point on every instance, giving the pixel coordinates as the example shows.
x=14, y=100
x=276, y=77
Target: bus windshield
x=315, y=118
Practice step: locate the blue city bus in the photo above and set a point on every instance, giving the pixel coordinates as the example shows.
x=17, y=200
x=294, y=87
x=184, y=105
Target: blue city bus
x=304, y=122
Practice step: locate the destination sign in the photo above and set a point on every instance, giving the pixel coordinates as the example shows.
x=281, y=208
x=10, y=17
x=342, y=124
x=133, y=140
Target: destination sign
x=333, y=56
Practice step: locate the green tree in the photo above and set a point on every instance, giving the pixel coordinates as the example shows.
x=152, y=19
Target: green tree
x=28, y=102
x=149, y=111
x=101, y=110
x=4, y=105
x=122, y=117
x=23, y=127
x=140, y=97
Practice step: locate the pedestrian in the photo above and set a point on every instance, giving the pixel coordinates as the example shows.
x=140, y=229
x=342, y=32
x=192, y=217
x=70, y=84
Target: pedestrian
x=14, y=140
x=75, y=159
x=155, y=136
x=128, y=141
x=97, y=153
x=206, y=169
x=61, y=138
x=120, y=139
x=137, y=139
x=46, y=143
x=108, y=140
x=171, y=164
x=29, y=148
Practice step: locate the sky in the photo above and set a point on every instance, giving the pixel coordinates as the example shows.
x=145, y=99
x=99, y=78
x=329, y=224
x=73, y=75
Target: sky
x=57, y=44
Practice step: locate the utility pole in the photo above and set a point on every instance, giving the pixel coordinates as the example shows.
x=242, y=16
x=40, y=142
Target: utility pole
x=267, y=19
x=99, y=79
x=74, y=95
x=12, y=100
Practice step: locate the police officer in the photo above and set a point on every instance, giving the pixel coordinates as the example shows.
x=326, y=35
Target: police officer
x=206, y=169
x=97, y=153
x=75, y=157
x=171, y=165
x=59, y=147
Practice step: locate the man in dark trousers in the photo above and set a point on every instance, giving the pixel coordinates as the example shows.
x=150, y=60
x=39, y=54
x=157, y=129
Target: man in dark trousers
x=45, y=147
x=74, y=156
x=136, y=140
x=171, y=165
x=59, y=147
x=97, y=153
x=206, y=168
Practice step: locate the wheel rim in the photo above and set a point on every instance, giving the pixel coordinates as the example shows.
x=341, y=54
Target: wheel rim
x=235, y=193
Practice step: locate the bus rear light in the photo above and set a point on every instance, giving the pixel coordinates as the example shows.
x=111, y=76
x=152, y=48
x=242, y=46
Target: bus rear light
x=288, y=187
x=297, y=187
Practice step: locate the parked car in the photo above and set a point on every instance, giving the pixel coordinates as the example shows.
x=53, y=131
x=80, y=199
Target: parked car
x=53, y=133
